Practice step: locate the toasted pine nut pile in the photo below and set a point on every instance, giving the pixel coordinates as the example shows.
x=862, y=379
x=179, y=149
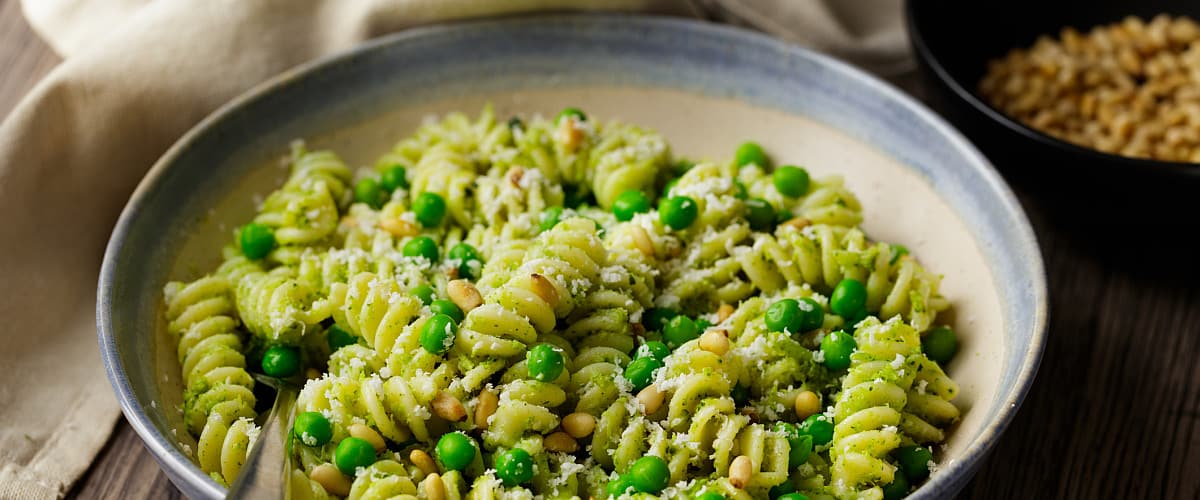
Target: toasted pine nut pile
x=1130, y=88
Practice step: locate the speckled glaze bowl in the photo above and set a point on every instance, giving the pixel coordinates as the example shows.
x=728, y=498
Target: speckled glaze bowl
x=705, y=87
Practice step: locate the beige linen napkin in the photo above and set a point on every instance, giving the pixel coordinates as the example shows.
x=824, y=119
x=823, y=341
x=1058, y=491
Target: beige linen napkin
x=139, y=73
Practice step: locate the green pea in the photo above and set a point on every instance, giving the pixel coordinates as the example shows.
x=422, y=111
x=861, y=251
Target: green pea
x=281, y=361
x=468, y=259
x=312, y=428
x=800, y=446
x=800, y=449
x=740, y=394
x=898, y=251
x=630, y=203
x=424, y=293
x=710, y=495
x=429, y=208
x=750, y=153
x=438, y=334
x=679, y=331
x=337, y=337
x=545, y=362
x=514, y=467
x=353, y=453
x=819, y=427
x=702, y=324
x=256, y=240
x=369, y=192
x=395, y=177
x=784, y=316
x=464, y=251
x=791, y=181
x=898, y=488
x=940, y=344
x=812, y=315
x=449, y=308
x=421, y=246
x=515, y=123
x=914, y=461
x=640, y=372
x=654, y=349
x=649, y=474
x=678, y=212
x=666, y=191
x=656, y=319
x=739, y=190
x=572, y=112
x=760, y=214
x=781, y=489
x=619, y=486
x=549, y=218
x=455, y=450
x=849, y=298
x=837, y=348
x=793, y=496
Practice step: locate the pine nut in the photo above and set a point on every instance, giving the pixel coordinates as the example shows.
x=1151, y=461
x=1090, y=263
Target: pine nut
x=579, y=425
x=544, y=289
x=435, y=489
x=448, y=407
x=464, y=295
x=715, y=341
x=740, y=471
x=332, y=479
x=724, y=312
x=651, y=399
x=808, y=403
x=514, y=176
x=569, y=133
x=560, y=442
x=488, y=402
x=797, y=223
x=642, y=240
x=398, y=227
x=363, y=432
x=423, y=461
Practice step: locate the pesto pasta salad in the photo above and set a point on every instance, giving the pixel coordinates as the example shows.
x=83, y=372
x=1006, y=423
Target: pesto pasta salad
x=561, y=308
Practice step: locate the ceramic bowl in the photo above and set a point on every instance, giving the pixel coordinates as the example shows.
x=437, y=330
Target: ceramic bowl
x=705, y=87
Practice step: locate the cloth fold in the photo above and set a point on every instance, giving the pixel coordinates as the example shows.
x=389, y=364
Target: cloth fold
x=136, y=75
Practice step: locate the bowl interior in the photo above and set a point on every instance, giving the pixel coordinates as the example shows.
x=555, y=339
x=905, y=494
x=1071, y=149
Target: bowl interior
x=705, y=88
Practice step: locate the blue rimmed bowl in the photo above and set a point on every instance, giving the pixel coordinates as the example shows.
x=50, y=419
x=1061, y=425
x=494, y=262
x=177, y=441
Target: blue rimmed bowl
x=705, y=87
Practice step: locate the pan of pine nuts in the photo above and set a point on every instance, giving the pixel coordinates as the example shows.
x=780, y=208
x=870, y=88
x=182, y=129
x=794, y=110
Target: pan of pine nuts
x=1129, y=88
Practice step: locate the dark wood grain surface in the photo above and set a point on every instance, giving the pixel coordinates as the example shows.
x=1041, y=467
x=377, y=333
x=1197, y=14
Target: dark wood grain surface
x=1115, y=410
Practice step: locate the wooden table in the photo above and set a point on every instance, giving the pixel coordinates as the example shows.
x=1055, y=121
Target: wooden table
x=1115, y=410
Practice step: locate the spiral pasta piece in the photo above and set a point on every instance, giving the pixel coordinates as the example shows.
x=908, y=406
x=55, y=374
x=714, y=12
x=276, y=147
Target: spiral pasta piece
x=929, y=409
x=623, y=158
x=219, y=401
x=305, y=211
x=868, y=411
x=386, y=406
x=277, y=307
x=525, y=410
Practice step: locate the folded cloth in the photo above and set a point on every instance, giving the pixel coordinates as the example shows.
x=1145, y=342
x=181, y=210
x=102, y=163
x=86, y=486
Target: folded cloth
x=136, y=75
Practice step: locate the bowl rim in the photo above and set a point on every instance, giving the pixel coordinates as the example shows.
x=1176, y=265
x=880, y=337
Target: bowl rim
x=929, y=56
x=952, y=476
